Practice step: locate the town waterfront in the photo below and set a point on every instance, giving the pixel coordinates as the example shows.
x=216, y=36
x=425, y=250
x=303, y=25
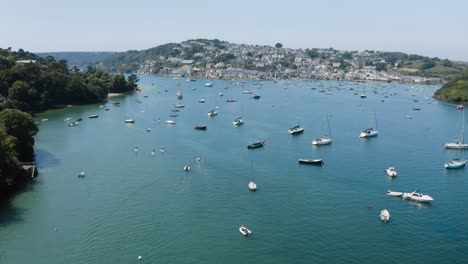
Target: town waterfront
x=132, y=203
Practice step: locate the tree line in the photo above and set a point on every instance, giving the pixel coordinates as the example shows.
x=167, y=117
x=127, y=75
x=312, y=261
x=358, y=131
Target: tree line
x=30, y=84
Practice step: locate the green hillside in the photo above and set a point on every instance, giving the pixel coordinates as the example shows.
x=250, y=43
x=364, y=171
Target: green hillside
x=455, y=91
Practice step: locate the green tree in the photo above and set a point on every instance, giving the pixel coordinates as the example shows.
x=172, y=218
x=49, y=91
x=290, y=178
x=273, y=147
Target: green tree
x=20, y=125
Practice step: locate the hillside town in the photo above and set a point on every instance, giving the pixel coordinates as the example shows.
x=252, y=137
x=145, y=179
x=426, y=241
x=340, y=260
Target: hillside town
x=223, y=60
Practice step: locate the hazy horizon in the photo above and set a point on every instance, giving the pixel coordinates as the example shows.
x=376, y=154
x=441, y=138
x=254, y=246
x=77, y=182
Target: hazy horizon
x=428, y=28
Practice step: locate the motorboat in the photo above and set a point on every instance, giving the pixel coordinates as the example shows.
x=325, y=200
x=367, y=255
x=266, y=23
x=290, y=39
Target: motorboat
x=212, y=112
x=209, y=84
x=295, y=130
x=93, y=116
x=311, y=161
x=221, y=94
x=179, y=95
x=257, y=144
x=171, y=122
x=394, y=194
x=200, y=127
x=245, y=231
x=256, y=96
x=391, y=172
x=369, y=132
x=148, y=130
x=455, y=164
x=129, y=121
x=201, y=101
x=385, y=215
x=179, y=106
x=252, y=186
x=81, y=174
x=418, y=197
x=187, y=167
x=238, y=121
x=73, y=124
x=247, y=92
x=363, y=96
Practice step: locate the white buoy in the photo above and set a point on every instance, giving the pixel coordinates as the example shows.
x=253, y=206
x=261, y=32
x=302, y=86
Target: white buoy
x=139, y=257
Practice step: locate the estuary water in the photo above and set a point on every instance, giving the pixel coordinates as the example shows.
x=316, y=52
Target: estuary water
x=133, y=203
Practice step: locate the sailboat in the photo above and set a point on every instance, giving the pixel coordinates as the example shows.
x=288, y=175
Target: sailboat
x=370, y=132
x=459, y=144
x=296, y=130
x=326, y=139
x=252, y=184
x=238, y=120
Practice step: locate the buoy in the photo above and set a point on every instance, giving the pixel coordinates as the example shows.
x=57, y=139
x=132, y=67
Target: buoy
x=139, y=257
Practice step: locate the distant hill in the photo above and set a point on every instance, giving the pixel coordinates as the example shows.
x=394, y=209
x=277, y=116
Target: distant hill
x=221, y=59
x=455, y=91
x=78, y=59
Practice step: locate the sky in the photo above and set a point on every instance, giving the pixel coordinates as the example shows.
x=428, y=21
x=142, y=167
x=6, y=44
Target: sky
x=435, y=28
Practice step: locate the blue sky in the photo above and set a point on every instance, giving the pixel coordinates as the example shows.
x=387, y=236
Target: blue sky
x=432, y=28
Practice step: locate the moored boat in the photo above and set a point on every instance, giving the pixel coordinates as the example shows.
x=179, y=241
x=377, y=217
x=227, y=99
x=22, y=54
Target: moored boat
x=418, y=197
x=311, y=161
x=385, y=215
x=93, y=116
x=455, y=164
x=238, y=121
x=295, y=130
x=394, y=194
x=244, y=230
x=129, y=121
x=212, y=112
x=391, y=172
x=200, y=127
x=257, y=144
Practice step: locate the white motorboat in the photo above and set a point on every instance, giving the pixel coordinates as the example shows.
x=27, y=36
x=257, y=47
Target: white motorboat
x=418, y=197
x=179, y=95
x=81, y=174
x=238, y=121
x=247, y=92
x=212, y=112
x=394, y=194
x=129, y=121
x=209, y=84
x=384, y=215
x=187, y=167
x=171, y=122
x=179, y=106
x=221, y=94
x=245, y=231
x=391, y=172
x=201, y=101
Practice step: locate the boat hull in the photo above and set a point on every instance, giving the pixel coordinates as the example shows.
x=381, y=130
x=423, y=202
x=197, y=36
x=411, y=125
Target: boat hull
x=311, y=161
x=322, y=141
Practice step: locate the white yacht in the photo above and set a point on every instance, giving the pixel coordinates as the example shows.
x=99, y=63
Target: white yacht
x=370, y=132
x=418, y=197
x=252, y=186
x=326, y=139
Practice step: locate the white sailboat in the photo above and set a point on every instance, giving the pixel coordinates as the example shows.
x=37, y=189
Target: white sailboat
x=326, y=139
x=252, y=184
x=459, y=144
x=370, y=132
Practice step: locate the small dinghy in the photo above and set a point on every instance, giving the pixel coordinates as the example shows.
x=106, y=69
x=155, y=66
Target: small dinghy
x=385, y=215
x=245, y=231
x=187, y=167
x=394, y=194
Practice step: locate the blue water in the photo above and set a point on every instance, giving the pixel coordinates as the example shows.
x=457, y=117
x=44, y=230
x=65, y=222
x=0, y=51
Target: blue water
x=134, y=204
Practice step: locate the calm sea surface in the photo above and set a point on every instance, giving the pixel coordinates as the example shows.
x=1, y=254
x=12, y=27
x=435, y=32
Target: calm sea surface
x=134, y=204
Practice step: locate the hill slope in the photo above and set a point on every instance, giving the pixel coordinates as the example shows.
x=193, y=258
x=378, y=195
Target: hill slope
x=78, y=59
x=455, y=91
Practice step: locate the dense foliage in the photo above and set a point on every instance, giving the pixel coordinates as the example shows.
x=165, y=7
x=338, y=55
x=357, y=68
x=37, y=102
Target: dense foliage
x=42, y=83
x=17, y=130
x=78, y=59
x=455, y=90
